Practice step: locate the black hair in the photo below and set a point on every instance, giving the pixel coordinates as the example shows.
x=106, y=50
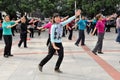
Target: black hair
x=6, y=15
x=55, y=15
x=118, y=14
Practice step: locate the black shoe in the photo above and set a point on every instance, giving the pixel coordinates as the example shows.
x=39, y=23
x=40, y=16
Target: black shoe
x=58, y=71
x=100, y=52
x=82, y=44
x=94, y=52
x=26, y=47
x=10, y=55
x=76, y=44
x=18, y=45
x=6, y=56
x=55, y=53
x=40, y=67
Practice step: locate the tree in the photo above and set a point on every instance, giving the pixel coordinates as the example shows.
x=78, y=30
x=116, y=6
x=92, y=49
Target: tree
x=64, y=7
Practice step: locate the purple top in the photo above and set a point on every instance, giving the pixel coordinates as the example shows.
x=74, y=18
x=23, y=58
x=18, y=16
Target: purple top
x=101, y=26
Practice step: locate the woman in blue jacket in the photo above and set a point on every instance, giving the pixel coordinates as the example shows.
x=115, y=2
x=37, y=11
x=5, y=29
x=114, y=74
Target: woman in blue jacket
x=56, y=41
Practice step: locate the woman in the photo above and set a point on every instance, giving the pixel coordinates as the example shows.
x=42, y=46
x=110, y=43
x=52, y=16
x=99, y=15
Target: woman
x=81, y=27
x=7, y=35
x=47, y=26
x=1, y=30
x=23, y=33
x=118, y=28
x=100, y=26
x=56, y=41
x=70, y=27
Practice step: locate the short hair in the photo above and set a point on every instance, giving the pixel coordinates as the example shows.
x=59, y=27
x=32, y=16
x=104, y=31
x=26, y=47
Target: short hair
x=55, y=15
x=6, y=15
x=98, y=16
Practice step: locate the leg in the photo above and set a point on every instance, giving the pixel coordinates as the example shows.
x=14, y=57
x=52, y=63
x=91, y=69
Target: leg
x=83, y=38
x=6, y=41
x=61, y=55
x=25, y=41
x=10, y=45
x=99, y=42
x=49, y=56
x=118, y=36
x=48, y=41
x=79, y=38
x=70, y=35
x=21, y=40
x=0, y=34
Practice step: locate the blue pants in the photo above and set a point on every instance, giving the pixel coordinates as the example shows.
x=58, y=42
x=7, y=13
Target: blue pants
x=118, y=37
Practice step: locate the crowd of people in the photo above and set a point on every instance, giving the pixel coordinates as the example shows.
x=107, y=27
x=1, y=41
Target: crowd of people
x=58, y=27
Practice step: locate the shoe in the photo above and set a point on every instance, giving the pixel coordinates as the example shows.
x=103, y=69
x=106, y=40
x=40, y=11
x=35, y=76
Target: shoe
x=82, y=44
x=18, y=45
x=55, y=53
x=58, y=71
x=40, y=68
x=26, y=47
x=94, y=52
x=69, y=39
x=10, y=55
x=100, y=52
x=76, y=44
x=6, y=56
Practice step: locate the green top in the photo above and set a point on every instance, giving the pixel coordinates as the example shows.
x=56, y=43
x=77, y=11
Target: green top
x=7, y=31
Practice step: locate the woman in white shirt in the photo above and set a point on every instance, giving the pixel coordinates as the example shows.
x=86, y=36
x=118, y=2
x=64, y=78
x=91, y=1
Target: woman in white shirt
x=118, y=28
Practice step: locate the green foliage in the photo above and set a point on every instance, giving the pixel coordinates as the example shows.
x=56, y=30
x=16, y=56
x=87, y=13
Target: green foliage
x=64, y=7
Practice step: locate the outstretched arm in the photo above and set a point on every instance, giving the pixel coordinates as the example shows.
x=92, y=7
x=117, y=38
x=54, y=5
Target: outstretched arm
x=78, y=12
x=94, y=31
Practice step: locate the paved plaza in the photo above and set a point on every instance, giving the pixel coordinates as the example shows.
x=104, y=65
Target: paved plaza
x=79, y=62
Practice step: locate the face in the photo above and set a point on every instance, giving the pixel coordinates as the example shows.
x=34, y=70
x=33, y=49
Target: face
x=83, y=17
x=101, y=17
x=7, y=18
x=23, y=20
x=57, y=19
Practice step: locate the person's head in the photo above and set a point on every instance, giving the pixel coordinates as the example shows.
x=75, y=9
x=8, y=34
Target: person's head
x=118, y=15
x=7, y=18
x=23, y=19
x=83, y=17
x=56, y=18
x=99, y=16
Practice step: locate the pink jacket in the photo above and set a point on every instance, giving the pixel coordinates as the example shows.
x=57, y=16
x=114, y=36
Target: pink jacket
x=48, y=26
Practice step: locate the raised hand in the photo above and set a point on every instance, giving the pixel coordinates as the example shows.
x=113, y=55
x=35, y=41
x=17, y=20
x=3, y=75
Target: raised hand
x=78, y=13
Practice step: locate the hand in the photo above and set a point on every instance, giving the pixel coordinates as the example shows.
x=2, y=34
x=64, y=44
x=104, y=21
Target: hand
x=92, y=34
x=78, y=12
x=8, y=26
x=69, y=28
x=56, y=48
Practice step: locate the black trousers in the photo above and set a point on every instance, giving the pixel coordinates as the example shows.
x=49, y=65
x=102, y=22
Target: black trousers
x=70, y=34
x=1, y=34
x=51, y=53
x=81, y=37
x=23, y=38
x=32, y=32
x=39, y=32
x=48, y=41
x=8, y=44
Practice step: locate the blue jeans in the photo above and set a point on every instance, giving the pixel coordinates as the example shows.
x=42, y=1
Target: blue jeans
x=118, y=37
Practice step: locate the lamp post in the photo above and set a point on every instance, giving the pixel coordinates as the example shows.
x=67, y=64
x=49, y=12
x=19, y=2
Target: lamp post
x=75, y=6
